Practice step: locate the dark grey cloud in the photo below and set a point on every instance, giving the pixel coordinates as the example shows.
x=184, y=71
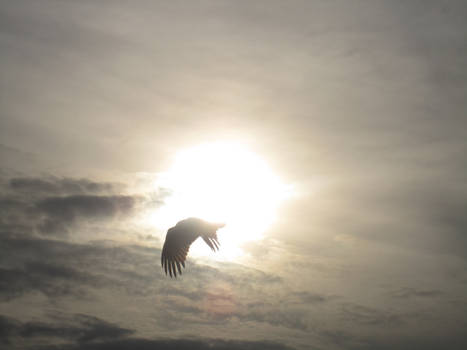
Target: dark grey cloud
x=77, y=328
x=52, y=205
x=205, y=295
x=66, y=270
x=69, y=207
x=291, y=309
x=370, y=316
x=61, y=186
x=72, y=267
x=408, y=293
x=60, y=212
x=8, y=327
x=183, y=344
x=76, y=272
x=430, y=341
x=87, y=332
x=309, y=297
x=57, y=206
x=275, y=315
x=52, y=280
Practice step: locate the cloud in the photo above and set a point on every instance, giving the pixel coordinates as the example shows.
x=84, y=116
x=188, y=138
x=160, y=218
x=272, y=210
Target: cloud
x=70, y=207
x=219, y=296
x=369, y=316
x=205, y=295
x=77, y=328
x=8, y=327
x=290, y=309
x=310, y=298
x=184, y=344
x=278, y=316
x=81, y=331
x=14, y=159
x=61, y=269
x=52, y=280
x=408, y=293
x=56, y=207
x=54, y=185
x=60, y=212
x=53, y=205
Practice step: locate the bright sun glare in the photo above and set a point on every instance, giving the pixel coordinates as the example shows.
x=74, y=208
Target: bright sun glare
x=221, y=182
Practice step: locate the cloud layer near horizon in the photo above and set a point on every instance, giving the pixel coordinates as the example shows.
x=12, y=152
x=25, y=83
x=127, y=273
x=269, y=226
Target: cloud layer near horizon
x=240, y=304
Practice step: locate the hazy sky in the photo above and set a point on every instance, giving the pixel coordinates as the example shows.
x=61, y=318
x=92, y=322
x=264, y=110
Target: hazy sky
x=359, y=106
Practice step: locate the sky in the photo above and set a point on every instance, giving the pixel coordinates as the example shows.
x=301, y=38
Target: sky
x=356, y=111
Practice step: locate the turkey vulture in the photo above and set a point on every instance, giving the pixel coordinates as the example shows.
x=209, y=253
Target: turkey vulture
x=179, y=238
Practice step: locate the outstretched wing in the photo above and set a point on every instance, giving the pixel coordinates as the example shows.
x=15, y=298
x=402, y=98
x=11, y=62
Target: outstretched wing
x=181, y=236
x=176, y=246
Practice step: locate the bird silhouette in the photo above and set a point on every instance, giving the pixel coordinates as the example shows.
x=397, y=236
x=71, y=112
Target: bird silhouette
x=181, y=236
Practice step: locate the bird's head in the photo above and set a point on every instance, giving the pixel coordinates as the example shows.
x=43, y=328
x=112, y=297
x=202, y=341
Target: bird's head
x=219, y=224
x=214, y=226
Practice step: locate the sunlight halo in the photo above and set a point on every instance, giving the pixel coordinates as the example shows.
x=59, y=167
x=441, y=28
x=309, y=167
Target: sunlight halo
x=222, y=182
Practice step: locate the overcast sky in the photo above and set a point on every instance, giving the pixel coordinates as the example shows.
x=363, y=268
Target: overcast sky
x=360, y=105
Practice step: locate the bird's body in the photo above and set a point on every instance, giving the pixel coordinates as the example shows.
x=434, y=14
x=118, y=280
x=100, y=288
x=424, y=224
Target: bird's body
x=181, y=236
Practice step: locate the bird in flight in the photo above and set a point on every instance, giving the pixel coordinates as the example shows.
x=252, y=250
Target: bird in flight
x=179, y=238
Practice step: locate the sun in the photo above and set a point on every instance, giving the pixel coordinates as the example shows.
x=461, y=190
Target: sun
x=222, y=182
